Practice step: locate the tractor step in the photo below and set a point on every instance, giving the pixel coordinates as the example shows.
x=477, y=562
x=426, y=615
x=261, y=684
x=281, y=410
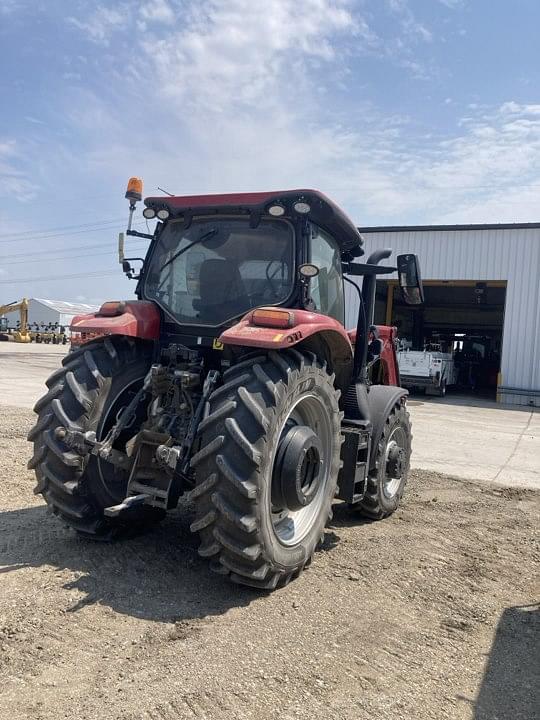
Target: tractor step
x=355, y=456
x=148, y=477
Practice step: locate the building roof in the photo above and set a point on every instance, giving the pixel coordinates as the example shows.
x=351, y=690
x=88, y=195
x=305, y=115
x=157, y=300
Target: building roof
x=66, y=308
x=480, y=226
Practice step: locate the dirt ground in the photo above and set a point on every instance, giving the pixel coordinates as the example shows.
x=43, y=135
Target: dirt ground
x=432, y=613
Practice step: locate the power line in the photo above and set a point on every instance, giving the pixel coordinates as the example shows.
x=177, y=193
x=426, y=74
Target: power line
x=58, y=229
x=71, y=232
x=98, y=273
x=65, y=257
x=63, y=234
x=39, y=238
x=29, y=254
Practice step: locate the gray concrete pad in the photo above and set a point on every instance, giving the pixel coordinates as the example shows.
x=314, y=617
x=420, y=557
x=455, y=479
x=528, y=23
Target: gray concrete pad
x=476, y=439
x=457, y=435
x=24, y=369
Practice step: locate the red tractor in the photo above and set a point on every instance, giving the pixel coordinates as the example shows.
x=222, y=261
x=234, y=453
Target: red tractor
x=233, y=379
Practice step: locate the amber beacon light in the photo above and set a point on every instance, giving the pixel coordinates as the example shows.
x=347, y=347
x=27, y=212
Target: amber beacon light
x=134, y=189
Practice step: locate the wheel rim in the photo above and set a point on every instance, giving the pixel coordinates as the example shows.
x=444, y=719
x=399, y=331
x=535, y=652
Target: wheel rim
x=394, y=461
x=292, y=525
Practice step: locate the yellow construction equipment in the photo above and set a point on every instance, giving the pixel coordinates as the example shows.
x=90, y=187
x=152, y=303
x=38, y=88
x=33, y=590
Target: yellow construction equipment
x=21, y=334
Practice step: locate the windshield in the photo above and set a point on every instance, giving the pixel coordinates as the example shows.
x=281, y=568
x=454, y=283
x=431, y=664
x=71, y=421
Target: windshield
x=218, y=268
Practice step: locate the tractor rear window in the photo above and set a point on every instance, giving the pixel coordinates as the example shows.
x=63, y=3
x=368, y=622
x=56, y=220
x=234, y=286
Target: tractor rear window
x=218, y=268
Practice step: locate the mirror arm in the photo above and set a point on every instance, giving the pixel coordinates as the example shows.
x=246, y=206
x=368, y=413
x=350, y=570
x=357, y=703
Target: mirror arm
x=367, y=269
x=139, y=234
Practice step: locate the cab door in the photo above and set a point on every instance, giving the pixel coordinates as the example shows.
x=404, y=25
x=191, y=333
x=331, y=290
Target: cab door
x=326, y=289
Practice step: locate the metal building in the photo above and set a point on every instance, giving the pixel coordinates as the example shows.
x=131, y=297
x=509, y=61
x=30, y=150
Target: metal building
x=45, y=312
x=480, y=280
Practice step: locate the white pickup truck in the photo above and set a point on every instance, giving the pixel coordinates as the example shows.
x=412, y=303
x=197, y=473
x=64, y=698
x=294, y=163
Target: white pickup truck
x=430, y=369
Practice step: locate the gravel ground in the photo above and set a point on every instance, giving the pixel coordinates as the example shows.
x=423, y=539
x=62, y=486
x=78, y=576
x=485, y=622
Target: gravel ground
x=429, y=614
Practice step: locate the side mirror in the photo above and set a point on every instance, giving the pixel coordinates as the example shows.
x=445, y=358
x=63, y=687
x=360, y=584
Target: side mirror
x=410, y=280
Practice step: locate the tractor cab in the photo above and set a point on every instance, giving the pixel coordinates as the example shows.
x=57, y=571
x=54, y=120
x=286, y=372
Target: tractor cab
x=215, y=258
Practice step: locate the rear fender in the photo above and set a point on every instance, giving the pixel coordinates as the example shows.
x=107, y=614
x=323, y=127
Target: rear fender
x=316, y=333
x=381, y=400
x=137, y=318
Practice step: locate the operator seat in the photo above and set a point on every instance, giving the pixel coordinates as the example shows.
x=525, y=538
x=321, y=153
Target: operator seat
x=222, y=291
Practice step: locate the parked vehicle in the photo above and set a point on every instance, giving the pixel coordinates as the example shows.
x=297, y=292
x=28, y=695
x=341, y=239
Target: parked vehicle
x=431, y=370
x=20, y=333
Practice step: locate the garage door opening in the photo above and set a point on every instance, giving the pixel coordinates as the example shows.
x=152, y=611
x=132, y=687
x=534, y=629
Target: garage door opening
x=461, y=325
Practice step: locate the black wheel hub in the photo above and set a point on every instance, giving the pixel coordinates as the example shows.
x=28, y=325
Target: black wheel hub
x=296, y=475
x=394, y=465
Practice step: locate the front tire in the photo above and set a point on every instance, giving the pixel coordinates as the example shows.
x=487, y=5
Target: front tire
x=386, y=481
x=87, y=393
x=250, y=527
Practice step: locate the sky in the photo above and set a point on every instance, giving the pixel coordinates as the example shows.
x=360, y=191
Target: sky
x=402, y=111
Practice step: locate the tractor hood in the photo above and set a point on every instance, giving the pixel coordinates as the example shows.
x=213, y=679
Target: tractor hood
x=311, y=204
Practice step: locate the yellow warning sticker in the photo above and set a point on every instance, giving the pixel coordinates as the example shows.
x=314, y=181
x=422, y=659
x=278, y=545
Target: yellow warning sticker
x=217, y=345
x=277, y=337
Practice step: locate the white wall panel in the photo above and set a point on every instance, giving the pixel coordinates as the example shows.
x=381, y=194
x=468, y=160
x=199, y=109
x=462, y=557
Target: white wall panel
x=506, y=253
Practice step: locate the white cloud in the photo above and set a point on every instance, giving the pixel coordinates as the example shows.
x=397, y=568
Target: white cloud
x=410, y=26
x=228, y=52
x=33, y=120
x=158, y=11
x=513, y=108
x=236, y=99
x=102, y=23
x=9, y=6
x=452, y=4
x=489, y=172
x=14, y=182
x=237, y=96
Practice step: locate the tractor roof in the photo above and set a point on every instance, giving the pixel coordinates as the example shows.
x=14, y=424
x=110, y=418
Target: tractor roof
x=323, y=211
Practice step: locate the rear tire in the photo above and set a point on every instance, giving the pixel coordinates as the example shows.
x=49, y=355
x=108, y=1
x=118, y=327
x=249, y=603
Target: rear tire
x=86, y=393
x=384, y=487
x=243, y=533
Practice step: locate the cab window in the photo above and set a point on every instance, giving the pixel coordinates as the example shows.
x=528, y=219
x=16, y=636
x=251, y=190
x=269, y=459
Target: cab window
x=326, y=289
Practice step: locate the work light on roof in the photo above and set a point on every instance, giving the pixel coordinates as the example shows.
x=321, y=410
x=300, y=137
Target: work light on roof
x=163, y=214
x=302, y=207
x=149, y=213
x=276, y=210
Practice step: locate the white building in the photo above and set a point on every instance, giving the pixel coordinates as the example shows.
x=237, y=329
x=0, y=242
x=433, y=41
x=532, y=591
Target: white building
x=47, y=312
x=479, y=280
